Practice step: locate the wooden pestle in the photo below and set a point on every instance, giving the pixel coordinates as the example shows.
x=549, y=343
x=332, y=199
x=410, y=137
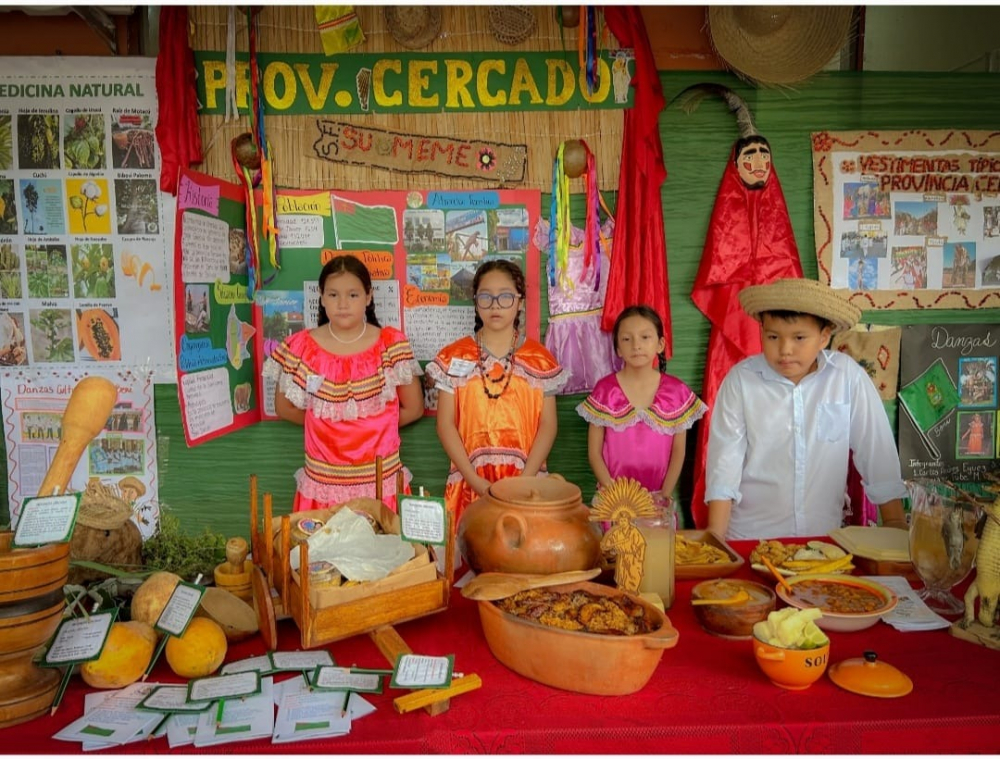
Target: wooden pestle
x=90, y=404
x=236, y=556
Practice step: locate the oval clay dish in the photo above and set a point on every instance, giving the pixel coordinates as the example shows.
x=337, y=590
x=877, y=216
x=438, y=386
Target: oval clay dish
x=602, y=665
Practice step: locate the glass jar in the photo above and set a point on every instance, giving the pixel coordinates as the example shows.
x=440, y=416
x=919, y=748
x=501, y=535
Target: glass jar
x=658, y=561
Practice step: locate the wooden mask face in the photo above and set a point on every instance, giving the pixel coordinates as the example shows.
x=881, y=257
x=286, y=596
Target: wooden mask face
x=753, y=164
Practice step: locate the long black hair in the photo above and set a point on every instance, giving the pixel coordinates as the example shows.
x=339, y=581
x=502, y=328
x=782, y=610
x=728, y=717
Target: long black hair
x=349, y=265
x=650, y=315
x=513, y=271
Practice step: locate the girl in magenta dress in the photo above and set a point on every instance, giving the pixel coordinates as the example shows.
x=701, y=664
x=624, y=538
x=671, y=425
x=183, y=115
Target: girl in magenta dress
x=639, y=416
x=352, y=384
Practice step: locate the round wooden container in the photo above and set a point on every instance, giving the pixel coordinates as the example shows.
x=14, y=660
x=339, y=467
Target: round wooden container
x=31, y=606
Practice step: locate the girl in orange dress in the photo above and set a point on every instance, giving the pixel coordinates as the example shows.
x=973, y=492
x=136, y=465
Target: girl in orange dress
x=352, y=384
x=496, y=413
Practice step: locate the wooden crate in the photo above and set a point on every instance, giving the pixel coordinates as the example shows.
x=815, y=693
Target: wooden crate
x=325, y=615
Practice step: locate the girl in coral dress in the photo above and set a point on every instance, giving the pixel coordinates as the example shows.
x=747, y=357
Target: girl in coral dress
x=352, y=384
x=639, y=416
x=496, y=413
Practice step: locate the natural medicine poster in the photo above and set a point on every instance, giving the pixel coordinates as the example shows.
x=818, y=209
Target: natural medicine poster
x=84, y=232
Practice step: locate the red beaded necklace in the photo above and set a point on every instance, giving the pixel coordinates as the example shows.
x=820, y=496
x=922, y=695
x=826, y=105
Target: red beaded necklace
x=507, y=362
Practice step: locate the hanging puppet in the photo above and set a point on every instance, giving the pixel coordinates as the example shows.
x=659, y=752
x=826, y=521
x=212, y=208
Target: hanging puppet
x=749, y=242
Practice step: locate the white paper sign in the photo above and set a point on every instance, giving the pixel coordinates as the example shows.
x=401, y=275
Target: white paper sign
x=172, y=698
x=300, y=231
x=180, y=608
x=207, y=405
x=204, y=249
x=301, y=660
x=341, y=678
x=423, y=520
x=260, y=664
x=81, y=639
x=47, y=520
x=413, y=671
x=224, y=686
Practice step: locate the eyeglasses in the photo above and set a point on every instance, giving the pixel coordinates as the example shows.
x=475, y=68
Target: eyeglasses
x=504, y=300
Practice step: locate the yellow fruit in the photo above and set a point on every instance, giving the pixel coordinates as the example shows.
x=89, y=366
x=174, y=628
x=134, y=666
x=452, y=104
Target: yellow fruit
x=126, y=655
x=199, y=651
x=152, y=596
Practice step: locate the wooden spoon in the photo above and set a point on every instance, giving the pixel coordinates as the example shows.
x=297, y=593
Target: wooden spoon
x=780, y=577
x=492, y=586
x=739, y=597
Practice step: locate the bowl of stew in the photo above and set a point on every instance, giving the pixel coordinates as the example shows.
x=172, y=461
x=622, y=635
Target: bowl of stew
x=848, y=603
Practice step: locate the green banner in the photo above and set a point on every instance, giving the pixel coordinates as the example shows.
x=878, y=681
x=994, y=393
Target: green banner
x=307, y=84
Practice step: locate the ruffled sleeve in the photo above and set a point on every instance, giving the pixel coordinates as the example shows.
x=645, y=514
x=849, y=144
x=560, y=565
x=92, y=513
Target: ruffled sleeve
x=338, y=387
x=675, y=407
x=539, y=367
x=464, y=349
x=607, y=406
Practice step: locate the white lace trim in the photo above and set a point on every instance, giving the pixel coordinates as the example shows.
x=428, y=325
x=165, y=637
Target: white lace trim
x=335, y=494
x=349, y=410
x=548, y=386
x=642, y=417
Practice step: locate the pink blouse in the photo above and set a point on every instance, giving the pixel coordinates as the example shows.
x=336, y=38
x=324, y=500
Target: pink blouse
x=637, y=444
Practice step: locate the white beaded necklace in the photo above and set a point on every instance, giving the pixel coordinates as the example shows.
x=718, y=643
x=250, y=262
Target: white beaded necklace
x=333, y=334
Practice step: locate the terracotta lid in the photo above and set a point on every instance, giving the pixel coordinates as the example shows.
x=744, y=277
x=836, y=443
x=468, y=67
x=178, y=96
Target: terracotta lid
x=870, y=677
x=536, y=491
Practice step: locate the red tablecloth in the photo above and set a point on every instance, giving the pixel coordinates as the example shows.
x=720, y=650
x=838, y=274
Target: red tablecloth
x=706, y=696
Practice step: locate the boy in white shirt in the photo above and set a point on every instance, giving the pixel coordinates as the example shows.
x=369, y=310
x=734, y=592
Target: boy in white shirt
x=786, y=419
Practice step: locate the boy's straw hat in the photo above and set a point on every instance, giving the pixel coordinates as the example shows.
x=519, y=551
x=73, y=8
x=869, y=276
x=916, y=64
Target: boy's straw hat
x=805, y=296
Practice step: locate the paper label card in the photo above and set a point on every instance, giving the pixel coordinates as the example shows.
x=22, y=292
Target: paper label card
x=224, y=687
x=413, y=671
x=172, y=698
x=80, y=639
x=300, y=661
x=49, y=519
x=341, y=678
x=183, y=603
x=423, y=520
x=260, y=664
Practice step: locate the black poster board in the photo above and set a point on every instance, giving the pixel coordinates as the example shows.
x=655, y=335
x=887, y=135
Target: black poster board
x=948, y=418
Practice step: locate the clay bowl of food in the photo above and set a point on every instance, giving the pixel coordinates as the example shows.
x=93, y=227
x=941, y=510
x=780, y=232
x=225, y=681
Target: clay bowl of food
x=730, y=608
x=583, y=637
x=791, y=668
x=848, y=603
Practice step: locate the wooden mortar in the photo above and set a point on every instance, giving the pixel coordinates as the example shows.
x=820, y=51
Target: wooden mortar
x=233, y=574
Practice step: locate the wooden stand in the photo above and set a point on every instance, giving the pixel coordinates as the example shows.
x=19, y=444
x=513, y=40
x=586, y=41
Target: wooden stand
x=977, y=633
x=374, y=615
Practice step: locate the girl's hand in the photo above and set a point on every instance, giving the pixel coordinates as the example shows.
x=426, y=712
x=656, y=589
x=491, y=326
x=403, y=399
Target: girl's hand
x=664, y=499
x=479, y=484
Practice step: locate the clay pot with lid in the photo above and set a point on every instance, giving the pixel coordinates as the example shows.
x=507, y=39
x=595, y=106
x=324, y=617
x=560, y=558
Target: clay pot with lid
x=529, y=525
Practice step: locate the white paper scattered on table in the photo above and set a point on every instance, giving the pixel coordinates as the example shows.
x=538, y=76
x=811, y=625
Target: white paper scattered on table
x=422, y=671
x=260, y=664
x=301, y=660
x=306, y=716
x=244, y=719
x=911, y=613
x=113, y=720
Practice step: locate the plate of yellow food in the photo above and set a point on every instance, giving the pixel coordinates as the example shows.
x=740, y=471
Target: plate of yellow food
x=791, y=559
x=702, y=555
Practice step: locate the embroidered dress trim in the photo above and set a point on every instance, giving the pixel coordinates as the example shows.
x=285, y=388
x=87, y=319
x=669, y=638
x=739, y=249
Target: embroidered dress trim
x=666, y=423
x=547, y=380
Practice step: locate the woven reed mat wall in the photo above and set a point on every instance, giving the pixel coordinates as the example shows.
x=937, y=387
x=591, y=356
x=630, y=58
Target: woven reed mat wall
x=292, y=29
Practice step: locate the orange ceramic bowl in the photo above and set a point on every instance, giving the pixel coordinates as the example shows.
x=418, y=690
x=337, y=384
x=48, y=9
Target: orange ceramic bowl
x=791, y=668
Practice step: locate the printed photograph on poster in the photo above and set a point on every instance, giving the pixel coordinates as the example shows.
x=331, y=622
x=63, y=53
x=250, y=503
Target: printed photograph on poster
x=122, y=458
x=975, y=435
x=82, y=217
x=927, y=198
x=12, y=345
x=977, y=381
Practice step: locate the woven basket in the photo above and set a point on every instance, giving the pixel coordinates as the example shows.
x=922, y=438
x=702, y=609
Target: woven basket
x=512, y=24
x=103, y=508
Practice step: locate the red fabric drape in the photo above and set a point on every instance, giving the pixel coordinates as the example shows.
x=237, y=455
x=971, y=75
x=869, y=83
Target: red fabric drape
x=749, y=242
x=638, y=271
x=177, y=132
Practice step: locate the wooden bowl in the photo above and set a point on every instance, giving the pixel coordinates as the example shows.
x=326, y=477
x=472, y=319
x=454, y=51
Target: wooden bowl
x=733, y=622
x=602, y=665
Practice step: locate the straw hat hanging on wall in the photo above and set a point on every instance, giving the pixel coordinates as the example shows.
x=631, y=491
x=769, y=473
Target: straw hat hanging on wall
x=778, y=44
x=512, y=24
x=413, y=26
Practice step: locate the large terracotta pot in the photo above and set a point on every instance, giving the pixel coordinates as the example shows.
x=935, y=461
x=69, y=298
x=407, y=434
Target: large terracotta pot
x=603, y=665
x=530, y=525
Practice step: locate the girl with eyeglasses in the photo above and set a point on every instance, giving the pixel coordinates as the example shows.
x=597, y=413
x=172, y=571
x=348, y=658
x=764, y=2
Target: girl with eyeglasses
x=496, y=412
x=351, y=384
